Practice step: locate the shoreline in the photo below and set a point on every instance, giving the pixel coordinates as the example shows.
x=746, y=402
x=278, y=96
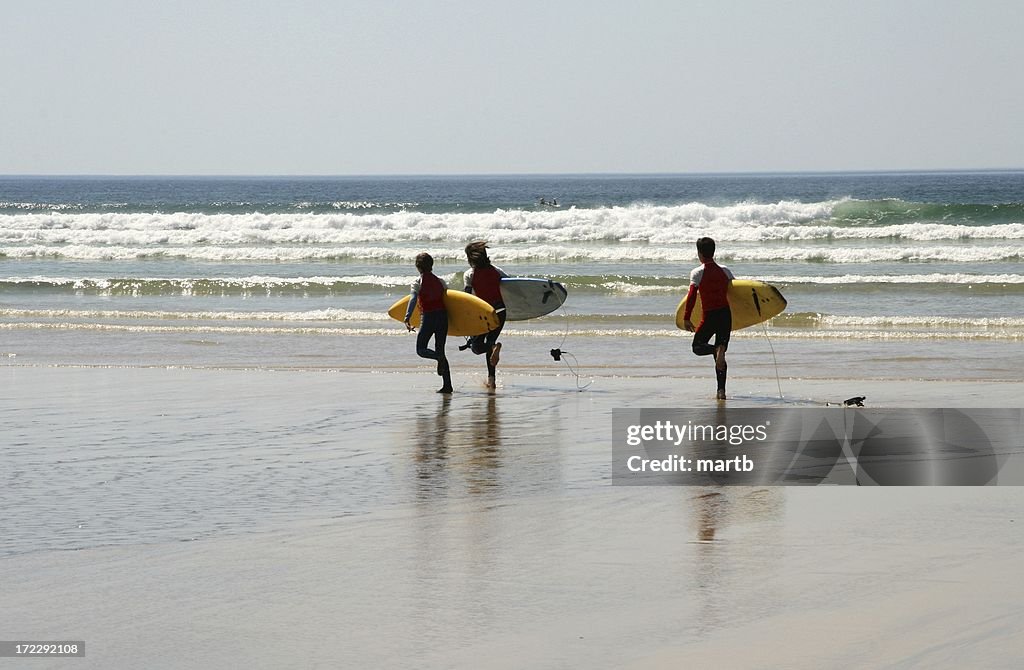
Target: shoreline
x=515, y=371
x=694, y=388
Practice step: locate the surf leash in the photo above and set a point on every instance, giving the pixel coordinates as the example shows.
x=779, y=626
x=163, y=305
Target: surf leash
x=560, y=354
x=778, y=380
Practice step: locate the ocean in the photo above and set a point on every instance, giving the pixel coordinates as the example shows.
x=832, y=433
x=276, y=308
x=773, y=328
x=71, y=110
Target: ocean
x=264, y=272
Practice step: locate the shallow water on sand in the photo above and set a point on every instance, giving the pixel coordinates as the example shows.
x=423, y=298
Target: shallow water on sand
x=114, y=456
x=304, y=517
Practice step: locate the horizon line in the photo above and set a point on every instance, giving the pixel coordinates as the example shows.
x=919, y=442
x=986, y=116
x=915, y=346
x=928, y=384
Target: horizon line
x=422, y=175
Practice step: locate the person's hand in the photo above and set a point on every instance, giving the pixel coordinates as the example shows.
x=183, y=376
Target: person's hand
x=408, y=326
x=688, y=326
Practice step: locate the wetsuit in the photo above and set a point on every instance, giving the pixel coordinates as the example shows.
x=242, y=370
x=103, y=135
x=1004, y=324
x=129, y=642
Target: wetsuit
x=711, y=281
x=485, y=283
x=428, y=291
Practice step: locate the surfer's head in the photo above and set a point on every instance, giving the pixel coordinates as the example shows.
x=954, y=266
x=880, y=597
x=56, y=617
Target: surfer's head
x=476, y=254
x=424, y=262
x=706, y=248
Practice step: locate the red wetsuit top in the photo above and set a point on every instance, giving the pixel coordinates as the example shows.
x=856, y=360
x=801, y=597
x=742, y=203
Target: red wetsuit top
x=485, y=283
x=711, y=280
x=427, y=292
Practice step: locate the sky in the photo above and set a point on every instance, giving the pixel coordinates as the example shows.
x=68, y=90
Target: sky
x=368, y=87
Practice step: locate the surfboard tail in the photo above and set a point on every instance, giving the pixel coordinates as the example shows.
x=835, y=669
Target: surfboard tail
x=781, y=297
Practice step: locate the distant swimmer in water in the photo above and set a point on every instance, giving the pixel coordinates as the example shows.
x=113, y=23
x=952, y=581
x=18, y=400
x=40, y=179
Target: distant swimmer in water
x=711, y=281
x=484, y=280
x=428, y=291
x=543, y=202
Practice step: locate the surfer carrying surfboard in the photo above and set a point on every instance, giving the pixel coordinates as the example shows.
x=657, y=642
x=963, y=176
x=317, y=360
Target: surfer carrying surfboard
x=484, y=280
x=428, y=291
x=711, y=281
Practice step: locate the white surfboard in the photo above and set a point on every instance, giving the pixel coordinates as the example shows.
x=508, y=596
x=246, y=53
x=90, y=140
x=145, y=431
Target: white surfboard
x=527, y=298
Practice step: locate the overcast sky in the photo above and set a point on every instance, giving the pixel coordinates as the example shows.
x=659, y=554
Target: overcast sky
x=475, y=86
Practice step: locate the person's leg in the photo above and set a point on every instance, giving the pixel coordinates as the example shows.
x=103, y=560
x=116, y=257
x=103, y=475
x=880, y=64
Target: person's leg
x=494, y=347
x=702, y=337
x=723, y=330
x=435, y=324
x=440, y=338
x=424, y=335
x=721, y=371
x=718, y=324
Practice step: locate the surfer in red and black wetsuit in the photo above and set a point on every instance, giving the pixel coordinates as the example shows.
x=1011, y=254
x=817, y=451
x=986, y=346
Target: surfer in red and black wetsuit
x=484, y=280
x=712, y=282
x=429, y=292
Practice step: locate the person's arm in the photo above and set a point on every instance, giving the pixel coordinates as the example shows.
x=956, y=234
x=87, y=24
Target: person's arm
x=468, y=278
x=691, y=298
x=691, y=301
x=412, y=301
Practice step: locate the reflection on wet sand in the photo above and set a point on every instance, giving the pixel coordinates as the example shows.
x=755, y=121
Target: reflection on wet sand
x=483, y=458
x=431, y=438
x=715, y=508
x=484, y=444
x=723, y=567
x=471, y=444
x=458, y=453
x=708, y=515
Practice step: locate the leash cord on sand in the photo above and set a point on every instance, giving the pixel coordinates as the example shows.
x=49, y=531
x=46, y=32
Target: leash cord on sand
x=559, y=354
x=575, y=371
x=778, y=381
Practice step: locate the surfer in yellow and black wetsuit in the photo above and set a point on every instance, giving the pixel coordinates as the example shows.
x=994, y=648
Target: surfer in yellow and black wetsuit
x=484, y=280
x=712, y=282
x=428, y=291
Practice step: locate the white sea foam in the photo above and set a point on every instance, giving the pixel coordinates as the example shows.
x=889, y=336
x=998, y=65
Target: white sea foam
x=328, y=314
x=744, y=222
x=889, y=322
x=222, y=330
x=851, y=331
x=547, y=252
x=927, y=322
x=337, y=315
x=213, y=285
x=645, y=285
x=931, y=278
x=640, y=289
x=253, y=280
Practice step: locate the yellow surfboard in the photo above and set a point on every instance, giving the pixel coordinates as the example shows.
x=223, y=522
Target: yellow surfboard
x=750, y=301
x=467, y=314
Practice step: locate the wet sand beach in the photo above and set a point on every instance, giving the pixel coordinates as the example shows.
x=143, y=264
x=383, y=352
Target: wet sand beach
x=177, y=517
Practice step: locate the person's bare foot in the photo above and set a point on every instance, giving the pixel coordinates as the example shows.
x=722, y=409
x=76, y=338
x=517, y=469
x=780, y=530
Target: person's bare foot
x=721, y=394
x=491, y=383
